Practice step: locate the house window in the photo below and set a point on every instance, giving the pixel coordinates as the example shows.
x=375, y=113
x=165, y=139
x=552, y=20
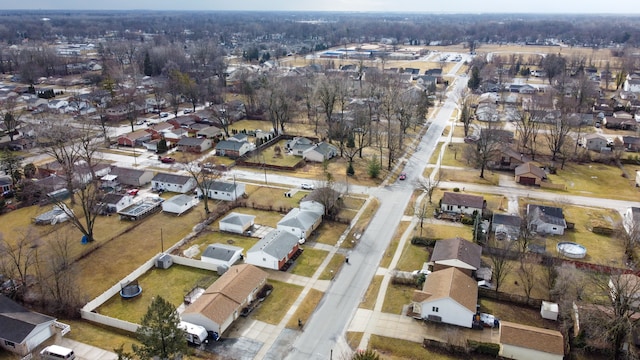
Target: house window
x=9, y=343
x=555, y=228
x=434, y=309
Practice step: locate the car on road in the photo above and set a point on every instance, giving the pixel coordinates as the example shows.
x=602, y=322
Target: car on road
x=167, y=160
x=403, y=176
x=187, y=111
x=164, y=115
x=306, y=186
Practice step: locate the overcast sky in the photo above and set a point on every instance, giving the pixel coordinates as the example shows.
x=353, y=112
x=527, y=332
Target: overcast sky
x=455, y=6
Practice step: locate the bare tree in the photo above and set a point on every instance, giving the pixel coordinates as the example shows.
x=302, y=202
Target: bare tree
x=327, y=94
x=221, y=114
x=527, y=276
x=502, y=266
x=557, y=135
x=528, y=122
x=466, y=112
x=277, y=100
x=486, y=147
x=19, y=257
x=526, y=234
x=10, y=113
x=205, y=179
x=430, y=183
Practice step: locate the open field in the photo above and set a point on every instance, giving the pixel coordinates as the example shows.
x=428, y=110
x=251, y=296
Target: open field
x=172, y=284
x=597, y=180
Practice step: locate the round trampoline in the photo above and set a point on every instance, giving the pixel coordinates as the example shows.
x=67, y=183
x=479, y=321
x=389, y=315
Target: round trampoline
x=572, y=250
x=130, y=290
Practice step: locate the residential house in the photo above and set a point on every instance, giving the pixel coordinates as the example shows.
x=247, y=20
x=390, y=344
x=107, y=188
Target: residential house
x=58, y=105
x=594, y=142
x=454, y=202
x=320, y=152
x=529, y=174
x=222, y=255
x=114, y=203
x=427, y=81
x=237, y=223
x=507, y=159
x=546, y=219
x=135, y=138
x=447, y=296
x=183, y=121
x=239, y=137
x=52, y=183
x=152, y=145
x=6, y=184
x=487, y=112
x=505, y=226
x=233, y=149
x=174, y=135
x=524, y=342
x=619, y=123
x=631, y=143
x=627, y=286
x=173, y=182
x=21, y=330
x=581, y=119
x=179, y=204
x=458, y=253
x=632, y=85
x=631, y=219
x=220, y=190
x=131, y=177
x=302, y=221
x=157, y=130
x=222, y=302
x=274, y=250
x=298, y=145
x=210, y=132
x=194, y=145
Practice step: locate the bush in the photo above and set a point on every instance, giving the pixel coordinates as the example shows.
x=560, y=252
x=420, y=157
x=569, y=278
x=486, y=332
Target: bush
x=467, y=221
x=484, y=348
x=422, y=241
x=455, y=189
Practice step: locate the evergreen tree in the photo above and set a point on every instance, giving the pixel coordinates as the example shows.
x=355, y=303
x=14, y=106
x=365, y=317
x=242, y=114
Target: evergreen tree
x=148, y=69
x=350, y=170
x=374, y=168
x=474, y=81
x=159, y=333
x=162, y=146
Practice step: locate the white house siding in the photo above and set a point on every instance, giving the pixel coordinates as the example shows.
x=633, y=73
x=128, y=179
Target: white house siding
x=226, y=195
x=40, y=334
x=518, y=353
x=449, y=310
x=544, y=228
x=260, y=258
x=199, y=319
x=459, y=209
x=182, y=189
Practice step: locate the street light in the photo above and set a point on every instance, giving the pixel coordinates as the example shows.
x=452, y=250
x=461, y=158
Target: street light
x=264, y=166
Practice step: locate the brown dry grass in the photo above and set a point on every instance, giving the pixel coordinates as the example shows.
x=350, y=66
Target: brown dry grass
x=305, y=309
x=276, y=305
x=370, y=297
x=361, y=224
x=393, y=245
x=333, y=267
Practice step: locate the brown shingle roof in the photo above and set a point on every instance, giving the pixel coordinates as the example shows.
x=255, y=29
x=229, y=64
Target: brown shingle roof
x=529, y=337
x=452, y=283
x=225, y=295
x=453, y=198
x=530, y=168
x=457, y=248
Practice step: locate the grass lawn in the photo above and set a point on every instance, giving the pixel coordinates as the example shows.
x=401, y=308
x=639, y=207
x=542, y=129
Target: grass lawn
x=517, y=314
x=391, y=249
x=250, y=125
x=274, y=199
x=328, y=232
x=352, y=238
x=276, y=305
x=268, y=156
x=118, y=257
x=436, y=154
x=396, y=297
x=471, y=176
x=410, y=210
x=512, y=283
x=172, y=284
x=453, y=155
x=308, y=262
x=597, y=180
x=413, y=257
x=398, y=349
x=333, y=267
x=306, y=308
x=441, y=231
x=102, y=337
x=353, y=339
x=458, y=131
x=371, y=295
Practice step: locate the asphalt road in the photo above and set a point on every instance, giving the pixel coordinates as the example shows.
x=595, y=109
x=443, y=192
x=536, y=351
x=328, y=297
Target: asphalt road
x=324, y=332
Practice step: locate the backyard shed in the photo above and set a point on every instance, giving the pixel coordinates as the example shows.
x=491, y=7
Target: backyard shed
x=549, y=310
x=237, y=223
x=179, y=204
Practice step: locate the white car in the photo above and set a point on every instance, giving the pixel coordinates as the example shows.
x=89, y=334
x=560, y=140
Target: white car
x=306, y=186
x=423, y=271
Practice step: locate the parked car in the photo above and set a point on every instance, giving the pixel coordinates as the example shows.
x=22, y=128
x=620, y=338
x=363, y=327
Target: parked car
x=422, y=271
x=489, y=320
x=187, y=111
x=133, y=192
x=167, y=160
x=403, y=176
x=164, y=115
x=306, y=186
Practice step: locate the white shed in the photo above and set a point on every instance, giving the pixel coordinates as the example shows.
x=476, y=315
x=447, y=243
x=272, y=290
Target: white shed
x=237, y=223
x=222, y=254
x=179, y=204
x=549, y=310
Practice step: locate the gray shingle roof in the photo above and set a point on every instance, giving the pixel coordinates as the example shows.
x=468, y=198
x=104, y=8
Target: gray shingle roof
x=17, y=322
x=300, y=219
x=238, y=219
x=220, y=251
x=277, y=243
x=457, y=248
x=219, y=186
x=547, y=214
x=473, y=201
x=171, y=178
